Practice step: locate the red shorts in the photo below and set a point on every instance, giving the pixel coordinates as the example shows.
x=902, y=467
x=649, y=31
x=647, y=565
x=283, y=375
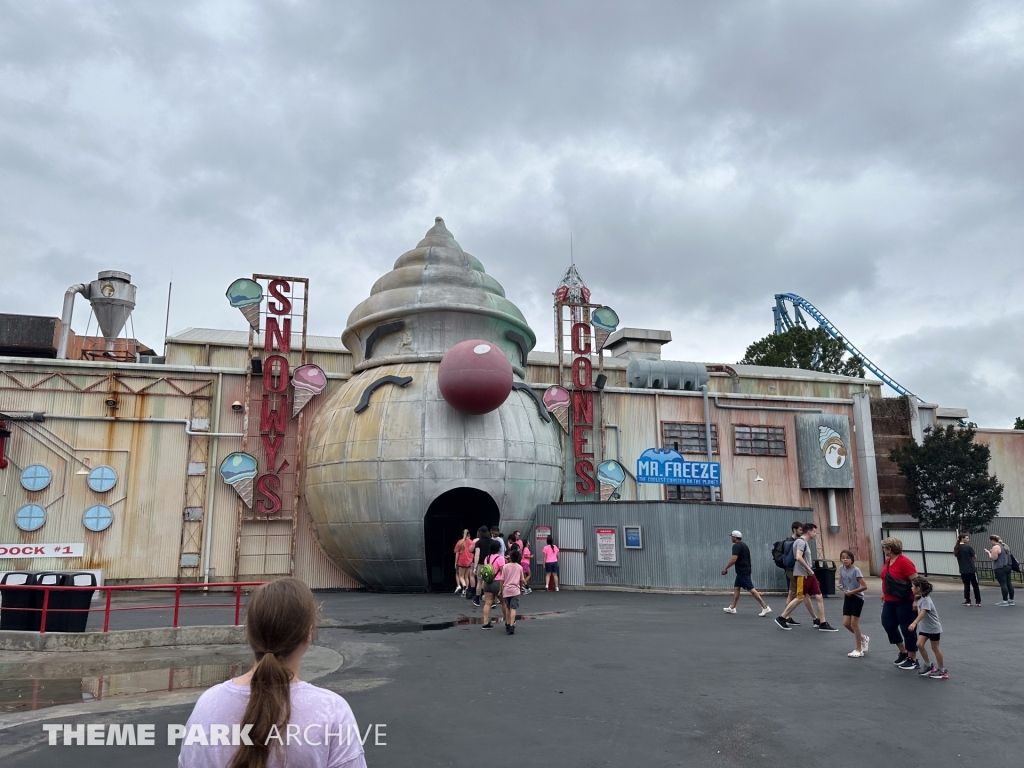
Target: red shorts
x=807, y=586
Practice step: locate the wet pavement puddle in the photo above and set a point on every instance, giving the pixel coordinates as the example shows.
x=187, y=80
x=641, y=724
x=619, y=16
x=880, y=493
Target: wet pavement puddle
x=41, y=690
x=399, y=627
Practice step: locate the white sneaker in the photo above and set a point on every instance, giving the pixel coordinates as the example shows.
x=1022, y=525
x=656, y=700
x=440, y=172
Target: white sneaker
x=766, y=611
x=556, y=589
x=855, y=654
x=864, y=640
x=727, y=609
x=458, y=590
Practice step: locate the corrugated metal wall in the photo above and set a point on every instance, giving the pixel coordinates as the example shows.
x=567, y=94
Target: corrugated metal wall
x=685, y=546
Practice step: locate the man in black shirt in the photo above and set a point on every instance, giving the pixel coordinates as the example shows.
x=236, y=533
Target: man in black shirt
x=741, y=559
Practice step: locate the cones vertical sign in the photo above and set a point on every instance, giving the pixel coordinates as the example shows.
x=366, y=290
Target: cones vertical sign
x=588, y=327
x=279, y=385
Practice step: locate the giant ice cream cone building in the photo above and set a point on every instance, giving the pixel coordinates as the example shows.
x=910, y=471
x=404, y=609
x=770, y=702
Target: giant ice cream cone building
x=398, y=461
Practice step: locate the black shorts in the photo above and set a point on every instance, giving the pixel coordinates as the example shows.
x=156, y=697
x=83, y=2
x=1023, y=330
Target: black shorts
x=852, y=606
x=934, y=638
x=550, y=567
x=512, y=601
x=743, y=581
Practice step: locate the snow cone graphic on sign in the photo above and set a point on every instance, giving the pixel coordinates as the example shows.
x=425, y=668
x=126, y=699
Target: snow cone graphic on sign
x=605, y=321
x=610, y=474
x=832, y=447
x=308, y=381
x=556, y=400
x=246, y=296
x=239, y=470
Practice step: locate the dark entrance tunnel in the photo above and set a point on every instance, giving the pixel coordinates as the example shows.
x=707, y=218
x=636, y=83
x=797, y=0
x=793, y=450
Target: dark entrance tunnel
x=449, y=514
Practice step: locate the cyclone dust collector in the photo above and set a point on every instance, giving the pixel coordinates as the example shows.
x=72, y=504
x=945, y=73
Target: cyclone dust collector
x=112, y=297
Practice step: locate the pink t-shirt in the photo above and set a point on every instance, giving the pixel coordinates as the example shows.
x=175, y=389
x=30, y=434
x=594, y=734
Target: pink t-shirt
x=526, y=556
x=465, y=552
x=550, y=554
x=498, y=562
x=512, y=577
x=314, y=710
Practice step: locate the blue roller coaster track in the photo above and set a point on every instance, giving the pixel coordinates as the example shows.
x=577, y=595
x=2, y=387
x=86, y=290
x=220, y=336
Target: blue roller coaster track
x=783, y=322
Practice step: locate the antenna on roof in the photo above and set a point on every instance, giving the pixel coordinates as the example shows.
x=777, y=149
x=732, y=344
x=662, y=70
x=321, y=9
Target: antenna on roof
x=572, y=258
x=167, y=320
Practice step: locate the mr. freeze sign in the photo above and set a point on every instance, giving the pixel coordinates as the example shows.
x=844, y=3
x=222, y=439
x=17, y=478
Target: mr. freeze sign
x=668, y=467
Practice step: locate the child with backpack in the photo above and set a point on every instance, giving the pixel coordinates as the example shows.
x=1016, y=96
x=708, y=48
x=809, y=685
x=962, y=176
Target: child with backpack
x=490, y=574
x=929, y=630
x=851, y=581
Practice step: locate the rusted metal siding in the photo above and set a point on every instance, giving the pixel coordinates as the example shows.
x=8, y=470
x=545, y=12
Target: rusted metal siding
x=640, y=413
x=149, y=458
x=1007, y=464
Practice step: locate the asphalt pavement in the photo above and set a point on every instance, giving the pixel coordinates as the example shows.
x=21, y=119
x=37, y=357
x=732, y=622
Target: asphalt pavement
x=611, y=679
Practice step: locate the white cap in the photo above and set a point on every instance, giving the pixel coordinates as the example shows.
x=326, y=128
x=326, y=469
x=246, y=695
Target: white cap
x=737, y=534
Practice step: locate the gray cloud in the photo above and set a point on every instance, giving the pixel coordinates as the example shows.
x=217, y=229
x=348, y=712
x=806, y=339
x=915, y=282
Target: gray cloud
x=704, y=156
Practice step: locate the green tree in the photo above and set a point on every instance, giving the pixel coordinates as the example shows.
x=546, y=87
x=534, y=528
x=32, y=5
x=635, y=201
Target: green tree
x=812, y=350
x=950, y=486
x=1018, y=423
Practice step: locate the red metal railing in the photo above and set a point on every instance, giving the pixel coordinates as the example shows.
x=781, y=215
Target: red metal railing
x=107, y=608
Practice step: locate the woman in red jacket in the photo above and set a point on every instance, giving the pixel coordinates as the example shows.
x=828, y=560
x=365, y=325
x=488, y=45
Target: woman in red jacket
x=898, y=602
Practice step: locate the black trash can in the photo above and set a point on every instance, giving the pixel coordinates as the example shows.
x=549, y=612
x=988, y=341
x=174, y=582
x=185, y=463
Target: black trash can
x=80, y=599
x=54, y=619
x=825, y=573
x=14, y=599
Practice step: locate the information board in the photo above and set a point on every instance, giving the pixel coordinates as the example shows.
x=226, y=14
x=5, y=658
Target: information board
x=607, y=546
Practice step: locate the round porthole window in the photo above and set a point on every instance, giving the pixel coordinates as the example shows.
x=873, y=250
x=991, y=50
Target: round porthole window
x=97, y=518
x=35, y=477
x=102, y=479
x=30, y=517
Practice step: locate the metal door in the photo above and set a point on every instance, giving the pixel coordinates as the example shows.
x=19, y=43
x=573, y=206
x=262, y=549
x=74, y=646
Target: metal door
x=571, y=551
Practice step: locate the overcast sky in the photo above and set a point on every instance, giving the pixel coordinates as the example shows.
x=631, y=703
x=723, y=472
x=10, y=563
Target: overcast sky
x=705, y=156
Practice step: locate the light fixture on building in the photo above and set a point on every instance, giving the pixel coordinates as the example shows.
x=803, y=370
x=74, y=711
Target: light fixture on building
x=111, y=402
x=85, y=469
x=757, y=475
x=236, y=406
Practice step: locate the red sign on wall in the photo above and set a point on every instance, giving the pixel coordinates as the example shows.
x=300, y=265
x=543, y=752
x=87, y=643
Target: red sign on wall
x=272, y=431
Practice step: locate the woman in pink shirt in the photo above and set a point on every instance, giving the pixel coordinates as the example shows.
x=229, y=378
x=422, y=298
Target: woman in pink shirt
x=551, y=564
x=288, y=722
x=463, y=562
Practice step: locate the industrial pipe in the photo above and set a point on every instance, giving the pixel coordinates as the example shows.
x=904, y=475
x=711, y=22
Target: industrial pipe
x=763, y=407
x=185, y=422
x=707, y=431
x=65, y=317
x=833, y=515
x=211, y=487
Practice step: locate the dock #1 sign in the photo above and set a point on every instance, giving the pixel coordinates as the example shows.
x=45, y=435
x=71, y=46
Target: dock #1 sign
x=668, y=467
x=11, y=551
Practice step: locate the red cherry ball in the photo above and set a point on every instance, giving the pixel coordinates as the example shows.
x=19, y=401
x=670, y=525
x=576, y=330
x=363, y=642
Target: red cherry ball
x=475, y=377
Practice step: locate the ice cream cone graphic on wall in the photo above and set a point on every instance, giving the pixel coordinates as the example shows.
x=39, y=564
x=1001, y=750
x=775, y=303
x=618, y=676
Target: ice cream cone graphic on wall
x=556, y=400
x=308, y=381
x=239, y=470
x=605, y=321
x=246, y=296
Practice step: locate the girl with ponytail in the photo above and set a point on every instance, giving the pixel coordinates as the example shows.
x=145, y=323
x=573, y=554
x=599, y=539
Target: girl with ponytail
x=280, y=625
